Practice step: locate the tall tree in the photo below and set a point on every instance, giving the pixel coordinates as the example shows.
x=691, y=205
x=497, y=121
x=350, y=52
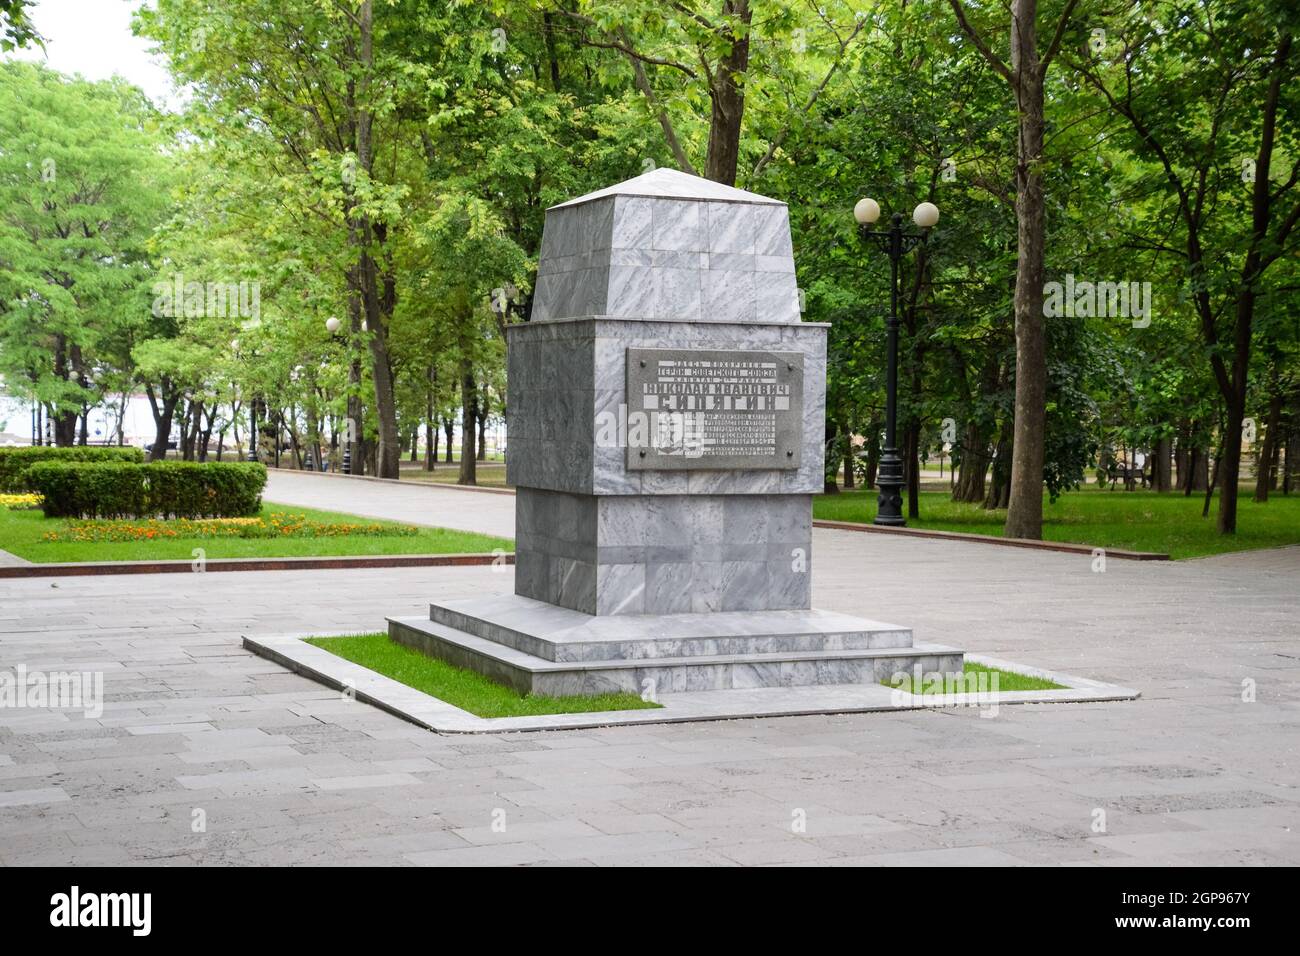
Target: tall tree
x=1025, y=75
x=83, y=183
x=1231, y=208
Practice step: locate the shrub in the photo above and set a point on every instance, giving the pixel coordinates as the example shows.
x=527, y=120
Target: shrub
x=14, y=462
x=187, y=489
x=168, y=489
x=75, y=489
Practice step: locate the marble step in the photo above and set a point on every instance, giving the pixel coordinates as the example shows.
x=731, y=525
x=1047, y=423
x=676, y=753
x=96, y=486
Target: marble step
x=560, y=634
x=667, y=675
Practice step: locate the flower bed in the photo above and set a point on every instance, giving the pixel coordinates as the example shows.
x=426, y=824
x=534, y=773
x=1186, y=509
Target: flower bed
x=277, y=525
x=20, y=501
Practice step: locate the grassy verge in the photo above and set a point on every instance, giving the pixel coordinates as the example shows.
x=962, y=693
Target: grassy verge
x=22, y=533
x=1006, y=680
x=463, y=688
x=488, y=474
x=1135, y=521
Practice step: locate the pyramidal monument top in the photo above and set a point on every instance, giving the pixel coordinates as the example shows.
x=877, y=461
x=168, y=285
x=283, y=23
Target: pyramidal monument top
x=673, y=184
x=667, y=245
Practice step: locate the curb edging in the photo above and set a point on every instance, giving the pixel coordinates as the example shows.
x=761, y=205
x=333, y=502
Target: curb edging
x=1035, y=545
x=87, y=568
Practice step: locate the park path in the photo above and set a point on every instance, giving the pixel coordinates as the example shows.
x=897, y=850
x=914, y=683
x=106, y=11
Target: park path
x=1197, y=771
x=408, y=501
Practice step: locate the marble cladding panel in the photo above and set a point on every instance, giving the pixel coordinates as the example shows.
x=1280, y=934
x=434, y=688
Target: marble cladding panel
x=662, y=555
x=678, y=225
x=682, y=553
x=685, y=260
x=555, y=548
x=632, y=224
x=549, y=412
x=566, y=395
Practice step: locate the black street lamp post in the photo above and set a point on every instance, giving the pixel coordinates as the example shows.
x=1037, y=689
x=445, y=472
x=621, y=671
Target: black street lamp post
x=895, y=243
x=332, y=326
x=252, y=436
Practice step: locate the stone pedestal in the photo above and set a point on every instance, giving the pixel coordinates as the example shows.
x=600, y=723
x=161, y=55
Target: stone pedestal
x=665, y=423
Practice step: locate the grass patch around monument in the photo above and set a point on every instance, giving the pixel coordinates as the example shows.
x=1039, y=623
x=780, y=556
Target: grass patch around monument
x=284, y=531
x=975, y=677
x=1135, y=521
x=463, y=688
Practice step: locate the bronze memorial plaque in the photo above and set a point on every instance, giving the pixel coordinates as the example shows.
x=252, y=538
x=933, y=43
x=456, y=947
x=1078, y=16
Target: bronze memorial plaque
x=713, y=409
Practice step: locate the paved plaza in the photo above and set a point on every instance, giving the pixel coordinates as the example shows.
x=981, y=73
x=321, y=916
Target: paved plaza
x=206, y=754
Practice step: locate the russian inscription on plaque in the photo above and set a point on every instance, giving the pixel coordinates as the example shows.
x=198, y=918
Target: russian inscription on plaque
x=713, y=409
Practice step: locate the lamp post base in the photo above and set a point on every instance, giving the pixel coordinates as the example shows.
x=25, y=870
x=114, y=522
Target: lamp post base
x=889, y=479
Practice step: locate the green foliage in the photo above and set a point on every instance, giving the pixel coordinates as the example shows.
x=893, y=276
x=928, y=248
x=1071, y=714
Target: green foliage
x=179, y=489
x=15, y=27
x=90, y=489
x=14, y=462
x=83, y=182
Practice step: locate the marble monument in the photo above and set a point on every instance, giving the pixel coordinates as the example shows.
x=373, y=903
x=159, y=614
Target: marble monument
x=665, y=431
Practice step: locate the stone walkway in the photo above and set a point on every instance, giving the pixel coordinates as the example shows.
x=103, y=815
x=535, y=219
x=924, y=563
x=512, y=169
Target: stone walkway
x=414, y=503
x=8, y=560
x=282, y=771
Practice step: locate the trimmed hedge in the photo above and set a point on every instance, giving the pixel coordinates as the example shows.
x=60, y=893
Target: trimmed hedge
x=166, y=489
x=14, y=462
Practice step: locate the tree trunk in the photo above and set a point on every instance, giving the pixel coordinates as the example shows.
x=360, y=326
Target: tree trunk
x=1216, y=476
x=1025, y=509
x=469, y=410
x=449, y=428
x=829, y=487
x=482, y=424
x=727, y=97
x=974, y=466
x=163, y=406
x=1000, y=478
x=1264, y=466
x=1160, y=471
x=430, y=425
x=912, y=464
x=1182, y=457
x=1228, y=467
x=1288, y=462
x=873, y=457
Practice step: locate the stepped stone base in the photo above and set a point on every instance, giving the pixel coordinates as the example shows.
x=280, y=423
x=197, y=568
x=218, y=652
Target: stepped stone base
x=544, y=649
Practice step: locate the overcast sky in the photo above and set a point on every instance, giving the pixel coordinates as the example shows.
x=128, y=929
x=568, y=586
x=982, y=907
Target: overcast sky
x=93, y=38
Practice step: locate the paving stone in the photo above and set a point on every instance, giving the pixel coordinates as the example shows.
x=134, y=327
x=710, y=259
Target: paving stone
x=1189, y=774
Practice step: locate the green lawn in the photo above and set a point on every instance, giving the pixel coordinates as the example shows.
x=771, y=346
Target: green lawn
x=463, y=688
x=1136, y=521
x=21, y=533
x=489, y=474
x=1007, y=680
